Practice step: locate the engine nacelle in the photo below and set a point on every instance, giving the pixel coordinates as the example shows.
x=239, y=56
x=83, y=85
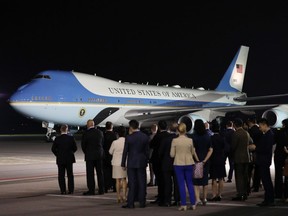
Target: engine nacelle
x=189, y=121
x=275, y=116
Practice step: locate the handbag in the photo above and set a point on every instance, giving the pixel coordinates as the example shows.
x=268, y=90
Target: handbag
x=285, y=169
x=198, y=170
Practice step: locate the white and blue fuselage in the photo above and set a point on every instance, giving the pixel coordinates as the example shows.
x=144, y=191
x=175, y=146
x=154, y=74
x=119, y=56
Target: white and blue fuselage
x=73, y=98
x=68, y=97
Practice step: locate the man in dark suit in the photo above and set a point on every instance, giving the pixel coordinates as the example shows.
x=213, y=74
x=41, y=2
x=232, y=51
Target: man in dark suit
x=64, y=147
x=239, y=150
x=255, y=133
x=156, y=162
x=169, y=178
x=92, y=146
x=136, y=154
x=227, y=134
x=264, y=152
x=109, y=137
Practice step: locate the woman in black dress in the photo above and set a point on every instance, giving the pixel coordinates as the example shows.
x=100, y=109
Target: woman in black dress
x=217, y=162
x=203, y=147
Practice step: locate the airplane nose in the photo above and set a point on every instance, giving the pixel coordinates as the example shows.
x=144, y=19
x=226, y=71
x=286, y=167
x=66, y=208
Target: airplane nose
x=19, y=95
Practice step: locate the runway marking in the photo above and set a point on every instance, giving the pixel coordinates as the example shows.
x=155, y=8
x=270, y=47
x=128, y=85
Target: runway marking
x=22, y=160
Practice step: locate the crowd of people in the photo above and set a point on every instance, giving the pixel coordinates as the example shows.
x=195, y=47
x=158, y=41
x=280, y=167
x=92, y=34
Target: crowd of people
x=121, y=157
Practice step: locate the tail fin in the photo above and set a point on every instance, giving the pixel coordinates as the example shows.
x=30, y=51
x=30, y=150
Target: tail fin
x=233, y=78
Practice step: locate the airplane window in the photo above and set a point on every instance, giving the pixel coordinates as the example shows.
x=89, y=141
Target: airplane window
x=40, y=76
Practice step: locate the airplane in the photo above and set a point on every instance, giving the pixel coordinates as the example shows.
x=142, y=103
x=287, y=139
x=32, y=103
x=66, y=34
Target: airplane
x=67, y=97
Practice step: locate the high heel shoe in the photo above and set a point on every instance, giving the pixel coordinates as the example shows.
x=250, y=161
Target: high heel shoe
x=192, y=207
x=204, y=201
x=120, y=199
x=213, y=199
x=182, y=208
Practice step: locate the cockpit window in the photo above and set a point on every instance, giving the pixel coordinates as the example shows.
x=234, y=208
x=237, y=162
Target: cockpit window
x=42, y=76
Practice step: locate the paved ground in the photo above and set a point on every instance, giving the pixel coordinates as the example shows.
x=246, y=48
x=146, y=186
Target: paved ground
x=28, y=186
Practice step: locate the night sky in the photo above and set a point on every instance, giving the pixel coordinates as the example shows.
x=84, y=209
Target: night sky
x=189, y=44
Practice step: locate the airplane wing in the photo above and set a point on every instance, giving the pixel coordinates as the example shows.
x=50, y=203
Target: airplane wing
x=245, y=108
x=142, y=114
x=265, y=97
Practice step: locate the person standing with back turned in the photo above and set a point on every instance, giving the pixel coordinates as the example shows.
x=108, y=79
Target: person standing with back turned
x=239, y=149
x=264, y=153
x=183, y=152
x=92, y=146
x=116, y=150
x=64, y=147
x=109, y=137
x=136, y=153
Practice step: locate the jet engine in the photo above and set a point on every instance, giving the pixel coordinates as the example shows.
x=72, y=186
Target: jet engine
x=189, y=121
x=275, y=116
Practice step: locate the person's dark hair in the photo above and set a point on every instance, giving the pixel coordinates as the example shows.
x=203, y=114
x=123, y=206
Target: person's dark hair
x=285, y=123
x=173, y=126
x=134, y=124
x=162, y=125
x=263, y=121
x=64, y=128
x=238, y=122
x=215, y=126
x=252, y=119
x=229, y=123
x=199, y=127
x=108, y=125
x=121, y=131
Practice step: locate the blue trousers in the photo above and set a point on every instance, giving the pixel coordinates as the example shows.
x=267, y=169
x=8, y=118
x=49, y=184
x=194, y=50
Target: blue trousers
x=184, y=178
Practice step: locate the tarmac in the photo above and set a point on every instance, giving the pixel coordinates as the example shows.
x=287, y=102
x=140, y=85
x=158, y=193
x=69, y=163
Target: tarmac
x=29, y=186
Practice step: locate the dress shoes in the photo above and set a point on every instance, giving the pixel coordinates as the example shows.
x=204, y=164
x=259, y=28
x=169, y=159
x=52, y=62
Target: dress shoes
x=165, y=204
x=150, y=184
x=154, y=202
x=70, y=192
x=127, y=206
x=88, y=193
x=216, y=198
x=176, y=203
x=239, y=198
x=63, y=193
x=142, y=205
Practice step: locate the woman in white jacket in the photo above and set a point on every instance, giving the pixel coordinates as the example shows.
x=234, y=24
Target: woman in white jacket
x=120, y=175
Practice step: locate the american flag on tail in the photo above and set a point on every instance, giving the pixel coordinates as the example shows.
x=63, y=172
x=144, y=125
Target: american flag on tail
x=239, y=68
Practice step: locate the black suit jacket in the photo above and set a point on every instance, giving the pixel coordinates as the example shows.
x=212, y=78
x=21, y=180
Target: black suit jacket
x=155, y=144
x=109, y=137
x=164, y=153
x=136, y=149
x=264, y=149
x=92, y=144
x=64, y=147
